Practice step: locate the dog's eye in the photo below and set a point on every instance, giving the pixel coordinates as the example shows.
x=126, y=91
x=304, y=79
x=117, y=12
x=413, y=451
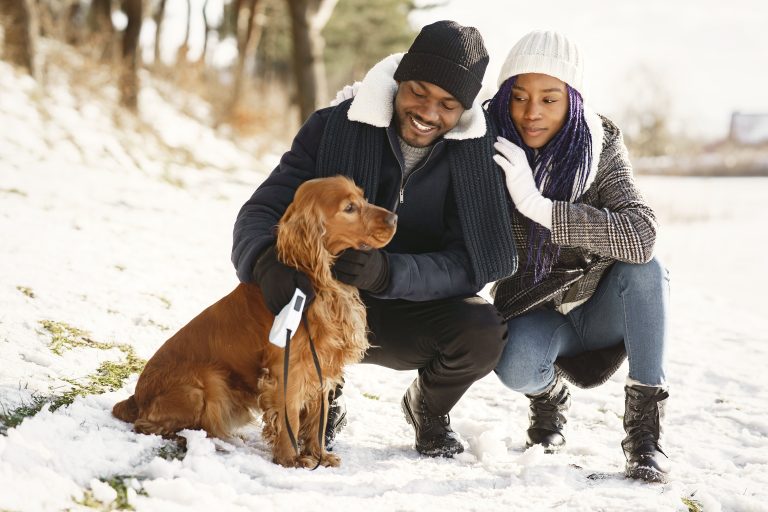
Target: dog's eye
x=350, y=208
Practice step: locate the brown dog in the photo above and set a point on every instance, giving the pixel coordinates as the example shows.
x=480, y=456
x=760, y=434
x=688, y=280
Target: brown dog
x=219, y=366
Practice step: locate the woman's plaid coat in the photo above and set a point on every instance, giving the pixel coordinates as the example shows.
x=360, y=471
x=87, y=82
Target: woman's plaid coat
x=611, y=221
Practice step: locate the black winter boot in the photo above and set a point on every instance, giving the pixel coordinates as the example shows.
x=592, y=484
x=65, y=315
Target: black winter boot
x=547, y=417
x=434, y=436
x=643, y=413
x=337, y=417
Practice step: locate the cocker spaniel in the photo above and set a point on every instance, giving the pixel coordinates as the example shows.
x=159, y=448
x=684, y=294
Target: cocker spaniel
x=220, y=366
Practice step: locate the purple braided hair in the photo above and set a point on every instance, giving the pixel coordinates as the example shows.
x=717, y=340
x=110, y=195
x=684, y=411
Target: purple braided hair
x=562, y=166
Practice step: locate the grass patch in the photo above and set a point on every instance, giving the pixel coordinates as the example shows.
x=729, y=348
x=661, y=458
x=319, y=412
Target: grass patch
x=370, y=396
x=162, y=327
x=65, y=337
x=165, y=301
x=120, y=485
x=14, y=191
x=172, y=449
x=692, y=504
x=109, y=376
x=173, y=180
x=90, y=502
x=13, y=418
x=26, y=291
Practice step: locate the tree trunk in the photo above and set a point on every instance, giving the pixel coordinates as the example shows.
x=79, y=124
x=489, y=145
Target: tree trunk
x=129, y=79
x=100, y=16
x=18, y=20
x=102, y=29
x=159, y=17
x=247, y=41
x=308, y=17
x=181, y=53
x=207, y=29
x=73, y=32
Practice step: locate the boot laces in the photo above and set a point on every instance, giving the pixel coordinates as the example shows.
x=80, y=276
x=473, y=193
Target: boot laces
x=643, y=426
x=545, y=410
x=441, y=420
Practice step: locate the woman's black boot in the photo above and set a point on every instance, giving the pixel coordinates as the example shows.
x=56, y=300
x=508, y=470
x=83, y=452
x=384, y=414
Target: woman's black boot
x=547, y=417
x=643, y=414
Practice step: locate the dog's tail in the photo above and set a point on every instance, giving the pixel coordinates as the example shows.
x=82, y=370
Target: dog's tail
x=127, y=410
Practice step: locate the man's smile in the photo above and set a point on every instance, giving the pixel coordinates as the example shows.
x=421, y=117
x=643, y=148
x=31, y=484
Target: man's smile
x=421, y=127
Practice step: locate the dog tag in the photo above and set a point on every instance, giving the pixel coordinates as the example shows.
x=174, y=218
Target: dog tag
x=287, y=321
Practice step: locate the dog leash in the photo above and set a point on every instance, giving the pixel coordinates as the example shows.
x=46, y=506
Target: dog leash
x=321, y=423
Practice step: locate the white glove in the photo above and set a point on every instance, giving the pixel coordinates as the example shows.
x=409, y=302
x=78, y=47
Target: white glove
x=521, y=185
x=346, y=92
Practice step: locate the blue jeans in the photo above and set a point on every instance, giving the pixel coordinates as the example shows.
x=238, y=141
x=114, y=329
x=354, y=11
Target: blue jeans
x=630, y=306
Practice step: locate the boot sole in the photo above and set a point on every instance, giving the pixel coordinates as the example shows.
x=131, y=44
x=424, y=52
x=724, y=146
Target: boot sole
x=548, y=449
x=407, y=412
x=647, y=474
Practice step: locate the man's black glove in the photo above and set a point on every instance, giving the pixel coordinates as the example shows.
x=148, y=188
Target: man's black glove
x=367, y=270
x=278, y=281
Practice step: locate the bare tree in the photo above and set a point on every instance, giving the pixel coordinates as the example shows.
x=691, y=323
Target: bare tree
x=158, y=17
x=248, y=34
x=129, y=79
x=18, y=20
x=207, y=30
x=74, y=23
x=181, y=54
x=646, y=116
x=308, y=17
x=102, y=29
x=100, y=16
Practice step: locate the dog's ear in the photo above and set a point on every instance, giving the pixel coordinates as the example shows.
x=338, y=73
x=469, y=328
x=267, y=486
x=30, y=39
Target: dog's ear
x=300, y=239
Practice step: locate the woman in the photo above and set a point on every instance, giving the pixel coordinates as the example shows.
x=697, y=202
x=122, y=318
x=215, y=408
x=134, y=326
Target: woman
x=589, y=291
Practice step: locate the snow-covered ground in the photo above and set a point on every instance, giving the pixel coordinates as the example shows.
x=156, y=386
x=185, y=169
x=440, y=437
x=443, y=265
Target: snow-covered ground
x=122, y=228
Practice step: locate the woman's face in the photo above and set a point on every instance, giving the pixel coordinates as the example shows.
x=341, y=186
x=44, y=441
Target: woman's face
x=538, y=106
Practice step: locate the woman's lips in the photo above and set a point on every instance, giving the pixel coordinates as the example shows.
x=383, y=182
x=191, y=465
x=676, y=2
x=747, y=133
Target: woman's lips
x=533, y=131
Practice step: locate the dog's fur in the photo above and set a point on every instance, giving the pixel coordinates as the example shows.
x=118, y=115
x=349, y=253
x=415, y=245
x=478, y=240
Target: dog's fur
x=219, y=366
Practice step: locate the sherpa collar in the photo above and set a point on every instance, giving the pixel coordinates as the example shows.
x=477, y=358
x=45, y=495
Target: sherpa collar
x=374, y=103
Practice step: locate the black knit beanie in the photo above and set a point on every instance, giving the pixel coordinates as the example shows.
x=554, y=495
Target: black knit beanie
x=448, y=55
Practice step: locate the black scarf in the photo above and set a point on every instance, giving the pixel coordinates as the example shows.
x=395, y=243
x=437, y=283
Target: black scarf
x=355, y=149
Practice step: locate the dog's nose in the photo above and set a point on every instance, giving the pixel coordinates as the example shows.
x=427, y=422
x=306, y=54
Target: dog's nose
x=391, y=219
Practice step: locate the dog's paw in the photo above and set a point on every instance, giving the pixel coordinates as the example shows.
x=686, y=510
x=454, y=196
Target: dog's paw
x=330, y=460
x=290, y=461
x=327, y=460
x=306, y=461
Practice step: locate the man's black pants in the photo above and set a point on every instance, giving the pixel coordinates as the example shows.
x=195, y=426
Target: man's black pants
x=452, y=342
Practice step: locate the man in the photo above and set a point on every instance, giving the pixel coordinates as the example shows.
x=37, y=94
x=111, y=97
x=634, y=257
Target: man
x=417, y=142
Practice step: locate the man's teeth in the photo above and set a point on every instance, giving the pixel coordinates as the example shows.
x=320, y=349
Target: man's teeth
x=422, y=127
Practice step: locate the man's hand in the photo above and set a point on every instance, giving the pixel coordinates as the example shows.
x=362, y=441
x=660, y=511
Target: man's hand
x=521, y=185
x=278, y=281
x=367, y=270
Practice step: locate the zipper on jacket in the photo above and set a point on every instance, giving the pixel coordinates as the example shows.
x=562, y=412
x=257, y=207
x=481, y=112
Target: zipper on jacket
x=404, y=182
x=393, y=208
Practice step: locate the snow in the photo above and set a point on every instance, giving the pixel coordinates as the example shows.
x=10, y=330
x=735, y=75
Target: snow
x=116, y=234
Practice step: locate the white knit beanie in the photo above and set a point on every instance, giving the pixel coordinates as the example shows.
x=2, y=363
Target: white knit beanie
x=547, y=52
